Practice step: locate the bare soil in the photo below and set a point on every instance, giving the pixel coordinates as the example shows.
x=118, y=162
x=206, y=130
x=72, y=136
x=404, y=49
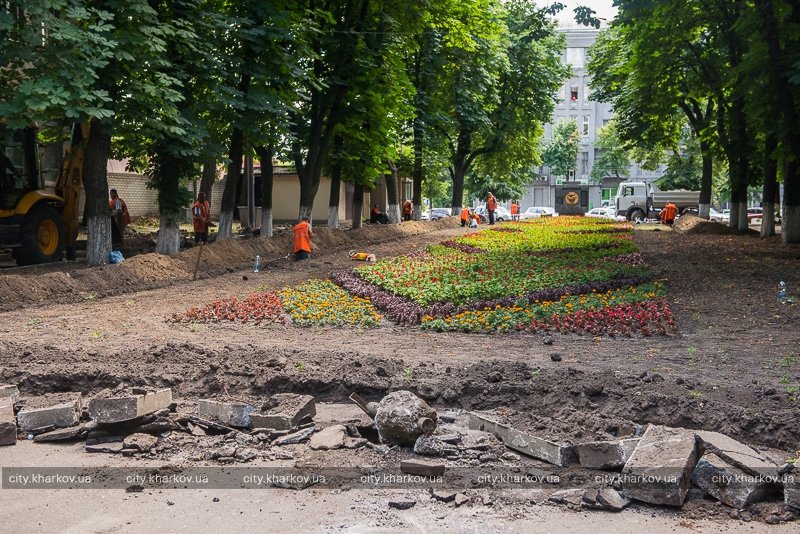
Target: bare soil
x=732, y=367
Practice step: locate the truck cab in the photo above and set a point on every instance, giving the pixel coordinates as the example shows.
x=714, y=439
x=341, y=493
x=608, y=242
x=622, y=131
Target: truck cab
x=634, y=200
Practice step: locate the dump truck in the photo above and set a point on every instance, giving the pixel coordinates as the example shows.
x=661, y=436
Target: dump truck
x=36, y=224
x=637, y=201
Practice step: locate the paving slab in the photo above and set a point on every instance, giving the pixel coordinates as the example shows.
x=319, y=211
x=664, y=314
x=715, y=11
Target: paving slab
x=728, y=484
x=608, y=455
x=284, y=411
x=422, y=468
x=8, y=424
x=109, y=410
x=659, y=470
x=554, y=453
x=64, y=414
x=738, y=454
x=9, y=392
x=226, y=412
x=329, y=438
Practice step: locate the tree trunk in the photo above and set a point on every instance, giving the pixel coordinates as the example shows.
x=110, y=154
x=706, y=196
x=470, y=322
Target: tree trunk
x=358, y=205
x=392, y=205
x=265, y=155
x=706, y=181
x=171, y=212
x=169, y=236
x=419, y=172
x=234, y=176
x=95, y=182
x=336, y=186
x=208, y=177
x=460, y=167
x=790, y=220
x=770, y=186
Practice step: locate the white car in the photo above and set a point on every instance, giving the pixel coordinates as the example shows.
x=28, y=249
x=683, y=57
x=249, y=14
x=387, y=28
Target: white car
x=534, y=212
x=603, y=213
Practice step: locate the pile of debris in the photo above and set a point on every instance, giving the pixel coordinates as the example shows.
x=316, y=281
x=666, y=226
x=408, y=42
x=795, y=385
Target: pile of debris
x=656, y=464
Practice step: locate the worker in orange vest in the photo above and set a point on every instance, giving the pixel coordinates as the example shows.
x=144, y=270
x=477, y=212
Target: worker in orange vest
x=120, y=218
x=514, y=211
x=668, y=214
x=408, y=207
x=464, y=216
x=201, y=217
x=491, y=206
x=302, y=239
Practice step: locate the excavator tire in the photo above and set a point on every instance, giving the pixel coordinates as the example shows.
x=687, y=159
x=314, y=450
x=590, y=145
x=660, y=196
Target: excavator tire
x=41, y=236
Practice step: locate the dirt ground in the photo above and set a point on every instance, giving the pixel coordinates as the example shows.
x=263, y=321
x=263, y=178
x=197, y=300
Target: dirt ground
x=733, y=366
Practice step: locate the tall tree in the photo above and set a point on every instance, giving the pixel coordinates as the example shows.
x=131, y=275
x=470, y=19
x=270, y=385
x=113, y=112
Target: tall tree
x=560, y=152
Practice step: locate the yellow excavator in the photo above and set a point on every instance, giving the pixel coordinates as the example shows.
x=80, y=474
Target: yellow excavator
x=36, y=224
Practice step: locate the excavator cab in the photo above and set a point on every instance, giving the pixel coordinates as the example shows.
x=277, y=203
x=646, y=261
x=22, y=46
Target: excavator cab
x=31, y=220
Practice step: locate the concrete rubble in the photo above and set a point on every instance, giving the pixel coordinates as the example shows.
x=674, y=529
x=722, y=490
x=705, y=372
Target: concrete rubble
x=228, y=413
x=65, y=413
x=726, y=483
x=10, y=393
x=126, y=408
x=402, y=417
x=8, y=425
x=606, y=455
x=659, y=470
x=554, y=453
x=284, y=411
x=329, y=438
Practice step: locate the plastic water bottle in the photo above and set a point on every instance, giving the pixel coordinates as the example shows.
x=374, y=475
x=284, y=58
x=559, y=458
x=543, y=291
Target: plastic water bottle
x=257, y=264
x=782, y=292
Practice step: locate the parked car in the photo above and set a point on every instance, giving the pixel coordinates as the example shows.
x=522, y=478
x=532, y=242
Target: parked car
x=603, y=213
x=534, y=212
x=716, y=216
x=500, y=214
x=439, y=213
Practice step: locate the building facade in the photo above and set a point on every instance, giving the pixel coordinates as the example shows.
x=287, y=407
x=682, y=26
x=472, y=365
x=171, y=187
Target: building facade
x=574, y=102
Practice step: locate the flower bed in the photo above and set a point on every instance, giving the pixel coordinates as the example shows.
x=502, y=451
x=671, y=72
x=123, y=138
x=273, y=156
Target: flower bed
x=320, y=302
x=261, y=307
x=625, y=311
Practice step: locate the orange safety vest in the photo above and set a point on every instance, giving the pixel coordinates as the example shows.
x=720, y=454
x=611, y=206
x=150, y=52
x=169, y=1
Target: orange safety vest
x=464, y=214
x=514, y=208
x=112, y=205
x=669, y=212
x=302, y=241
x=407, y=207
x=200, y=216
x=491, y=203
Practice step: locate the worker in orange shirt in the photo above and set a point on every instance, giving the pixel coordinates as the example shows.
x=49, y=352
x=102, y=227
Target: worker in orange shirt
x=464, y=216
x=120, y=218
x=668, y=214
x=408, y=208
x=491, y=206
x=201, y=217
x=514, y=211
x=302, y=239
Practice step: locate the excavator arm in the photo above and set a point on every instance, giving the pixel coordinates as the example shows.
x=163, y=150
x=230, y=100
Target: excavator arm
x=68, y=185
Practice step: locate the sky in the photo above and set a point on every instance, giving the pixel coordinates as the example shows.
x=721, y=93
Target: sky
x=603, y=8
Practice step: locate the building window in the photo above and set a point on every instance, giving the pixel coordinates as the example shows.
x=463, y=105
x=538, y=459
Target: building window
x=585, y=127
x=575, y=57
x=586, y=93
x=584, y=163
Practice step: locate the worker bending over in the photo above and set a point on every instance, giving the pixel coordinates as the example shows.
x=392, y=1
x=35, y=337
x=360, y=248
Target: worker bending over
x=302, y=239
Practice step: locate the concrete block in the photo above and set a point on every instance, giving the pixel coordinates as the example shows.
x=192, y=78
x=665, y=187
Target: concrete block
x=329, y=438
x=791, y=489
x=139, y=442
x=228, y=413
x=120, y=409
x=738, y=455
x=659, y=470
x=554, y=453
x=284, y=411
x=606, y=454
x=8, y=425
x=610, y=499
x=726, y=483
x=61, y=434
x=9, y=392
x=60, y=415
x=422, y=468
